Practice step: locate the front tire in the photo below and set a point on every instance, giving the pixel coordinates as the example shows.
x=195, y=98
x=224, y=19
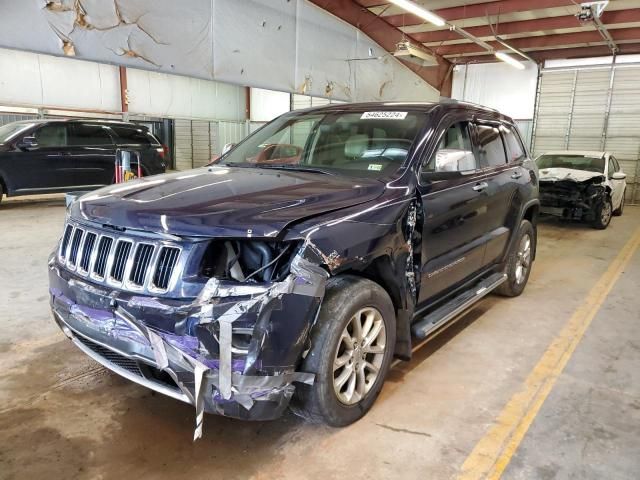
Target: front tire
x=603, y=215
x=519, y=261
x=1, y=192
x=352, y=346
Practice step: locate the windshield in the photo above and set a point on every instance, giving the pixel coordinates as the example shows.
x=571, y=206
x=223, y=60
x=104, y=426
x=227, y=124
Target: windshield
x=366, y=143
x=576, y=162
x=10, y=130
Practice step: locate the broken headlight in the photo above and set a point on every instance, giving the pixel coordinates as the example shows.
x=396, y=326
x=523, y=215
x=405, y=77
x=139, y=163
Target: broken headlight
x=249, y=260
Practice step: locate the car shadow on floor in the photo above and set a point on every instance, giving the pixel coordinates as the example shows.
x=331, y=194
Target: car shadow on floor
x=30, y=203
x=422, y=353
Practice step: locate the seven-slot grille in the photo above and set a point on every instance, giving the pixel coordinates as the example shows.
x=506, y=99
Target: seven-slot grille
x=123, y=262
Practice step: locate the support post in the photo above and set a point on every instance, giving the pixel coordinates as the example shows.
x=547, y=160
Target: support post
x=124, y=101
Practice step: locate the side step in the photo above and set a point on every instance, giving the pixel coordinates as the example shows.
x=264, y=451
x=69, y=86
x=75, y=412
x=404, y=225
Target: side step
x=447, y=312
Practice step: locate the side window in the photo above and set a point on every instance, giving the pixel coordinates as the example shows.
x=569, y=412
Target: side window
x=612, y=168
x=89, y=135
x=515, y=150
x=490, y=146
x=133, y=136
x=615, y=163
x=454, y=152
x=53, y=135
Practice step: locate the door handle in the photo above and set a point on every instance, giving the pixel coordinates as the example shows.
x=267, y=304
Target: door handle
x=478, y=187
x=516, y=175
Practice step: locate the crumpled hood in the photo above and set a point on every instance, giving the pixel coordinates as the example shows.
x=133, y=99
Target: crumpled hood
x=560, y=174
x=222, y=202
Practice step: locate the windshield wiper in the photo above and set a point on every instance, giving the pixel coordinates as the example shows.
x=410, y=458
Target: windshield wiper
x=296, y=168
x=234, y=164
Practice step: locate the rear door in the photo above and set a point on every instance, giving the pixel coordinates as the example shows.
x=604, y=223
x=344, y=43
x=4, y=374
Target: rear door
x=40, y=168
x=138, y=138
x=502, y=177
x=454, y=213
x=90, y=154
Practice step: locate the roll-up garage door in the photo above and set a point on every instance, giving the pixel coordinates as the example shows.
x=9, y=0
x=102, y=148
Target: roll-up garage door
x=595, y=108
x=184, y=153
x=197, y=141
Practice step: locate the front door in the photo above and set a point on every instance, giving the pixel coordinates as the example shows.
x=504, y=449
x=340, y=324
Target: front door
x=39, y=168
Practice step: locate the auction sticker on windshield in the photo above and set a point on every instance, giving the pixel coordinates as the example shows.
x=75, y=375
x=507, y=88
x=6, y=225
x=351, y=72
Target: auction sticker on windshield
x=383, y=116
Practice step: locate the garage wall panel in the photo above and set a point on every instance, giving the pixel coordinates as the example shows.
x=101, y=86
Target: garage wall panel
x=592, y=108
x=201, y=143
x=589, y=107
x=554, y=111
x=183, y=149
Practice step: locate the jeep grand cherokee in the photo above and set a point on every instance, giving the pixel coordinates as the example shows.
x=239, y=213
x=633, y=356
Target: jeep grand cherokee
x=292, y=271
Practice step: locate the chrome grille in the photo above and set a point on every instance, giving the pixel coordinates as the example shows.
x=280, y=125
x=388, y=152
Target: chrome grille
x=166, y=263
x=141, y=262
x=87, y=249
x=65, y=240
x=121, y=261
x=100, y=266
x=75, y=246
x=120, y=257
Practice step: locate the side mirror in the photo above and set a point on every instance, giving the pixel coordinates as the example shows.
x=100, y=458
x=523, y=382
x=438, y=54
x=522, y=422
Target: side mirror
x=450, y=160
x=227, y=147
x=618, y=176
x=451, y=163
x=27, y=143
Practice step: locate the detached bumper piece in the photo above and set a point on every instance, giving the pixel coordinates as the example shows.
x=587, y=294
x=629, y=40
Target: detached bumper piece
x=232, y=351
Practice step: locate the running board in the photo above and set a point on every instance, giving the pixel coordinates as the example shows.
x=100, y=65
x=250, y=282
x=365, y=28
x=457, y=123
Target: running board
x=447, y=312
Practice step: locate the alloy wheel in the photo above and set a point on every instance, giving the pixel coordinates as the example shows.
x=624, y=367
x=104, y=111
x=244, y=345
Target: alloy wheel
x=359, y=356
x=523, y=259
x=605, y=213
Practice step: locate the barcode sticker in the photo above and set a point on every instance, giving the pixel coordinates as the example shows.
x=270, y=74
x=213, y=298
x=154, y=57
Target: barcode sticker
x=384, y=116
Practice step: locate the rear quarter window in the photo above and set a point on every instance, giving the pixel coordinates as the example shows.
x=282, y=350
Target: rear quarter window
x=134, y=136
x=515, y=150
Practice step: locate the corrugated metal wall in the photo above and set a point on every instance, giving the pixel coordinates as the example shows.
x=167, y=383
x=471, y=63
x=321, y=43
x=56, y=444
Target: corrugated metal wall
x=15, y=117
x=197, y=141
x=592, y=109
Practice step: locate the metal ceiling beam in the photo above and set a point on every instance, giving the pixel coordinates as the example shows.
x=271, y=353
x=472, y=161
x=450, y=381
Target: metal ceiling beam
x=543, y=41
x=602, y=29
x=479, y=10
x=529, y=26
x=576, y=52
x=387, y=36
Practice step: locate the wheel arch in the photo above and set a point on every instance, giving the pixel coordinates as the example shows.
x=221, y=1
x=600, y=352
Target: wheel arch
x=381, y=270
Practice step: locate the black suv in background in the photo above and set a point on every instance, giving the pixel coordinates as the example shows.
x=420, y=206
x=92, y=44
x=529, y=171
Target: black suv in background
x=54, y=156
x=294, y=269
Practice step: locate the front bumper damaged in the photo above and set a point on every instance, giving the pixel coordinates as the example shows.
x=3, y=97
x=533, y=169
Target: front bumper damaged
x=234, y=350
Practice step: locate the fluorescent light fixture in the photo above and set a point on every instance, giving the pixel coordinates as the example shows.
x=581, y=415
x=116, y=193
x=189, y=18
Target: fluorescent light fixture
x=510, y=60
x=417, y=10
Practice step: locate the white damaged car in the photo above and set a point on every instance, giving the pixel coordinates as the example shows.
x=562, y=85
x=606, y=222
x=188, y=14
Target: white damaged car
x=585, y=186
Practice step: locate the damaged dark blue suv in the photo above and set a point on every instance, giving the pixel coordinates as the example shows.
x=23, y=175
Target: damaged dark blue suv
x=292, y=271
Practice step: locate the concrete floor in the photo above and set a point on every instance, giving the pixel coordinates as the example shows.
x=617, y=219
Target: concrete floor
x=64, y=416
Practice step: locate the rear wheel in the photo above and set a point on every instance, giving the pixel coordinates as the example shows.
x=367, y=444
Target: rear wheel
x=351, y=349
x=603, y=215
x=1, y=191
x=519, y=261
